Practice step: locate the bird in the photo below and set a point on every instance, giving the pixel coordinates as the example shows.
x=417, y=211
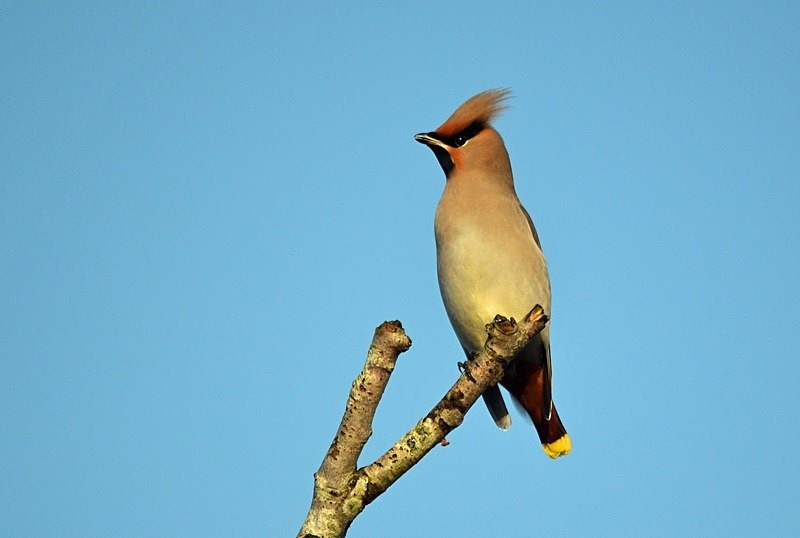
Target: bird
x=489, y=259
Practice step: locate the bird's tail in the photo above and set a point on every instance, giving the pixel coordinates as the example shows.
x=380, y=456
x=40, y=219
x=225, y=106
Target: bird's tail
x=528, y=381
x=497, y=407
x=553, y=435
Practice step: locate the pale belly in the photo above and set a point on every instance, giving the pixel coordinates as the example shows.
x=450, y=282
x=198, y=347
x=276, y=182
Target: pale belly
x=507, y=275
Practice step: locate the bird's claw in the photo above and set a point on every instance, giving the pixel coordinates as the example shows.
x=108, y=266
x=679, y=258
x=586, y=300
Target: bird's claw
x=463, y=367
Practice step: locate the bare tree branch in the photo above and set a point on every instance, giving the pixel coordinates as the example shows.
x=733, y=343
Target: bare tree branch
x=341, y=491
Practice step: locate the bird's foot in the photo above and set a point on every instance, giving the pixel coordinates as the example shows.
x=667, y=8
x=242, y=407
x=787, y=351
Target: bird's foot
x=464, y=367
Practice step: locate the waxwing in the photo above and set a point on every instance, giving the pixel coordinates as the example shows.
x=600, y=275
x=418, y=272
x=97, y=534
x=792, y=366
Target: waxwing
x=490, y=261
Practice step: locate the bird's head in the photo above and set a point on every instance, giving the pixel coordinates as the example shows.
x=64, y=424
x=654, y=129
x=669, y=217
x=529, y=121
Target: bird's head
x=466, y=141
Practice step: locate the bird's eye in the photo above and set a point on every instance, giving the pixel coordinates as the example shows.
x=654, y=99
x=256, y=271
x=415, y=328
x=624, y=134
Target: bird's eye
x=460, y=140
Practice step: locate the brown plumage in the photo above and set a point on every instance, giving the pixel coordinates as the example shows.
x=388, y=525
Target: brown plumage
x=482, y=108
x=489, y=259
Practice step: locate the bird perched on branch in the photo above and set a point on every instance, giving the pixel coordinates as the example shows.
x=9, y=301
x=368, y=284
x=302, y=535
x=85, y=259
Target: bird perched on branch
x=490, y=261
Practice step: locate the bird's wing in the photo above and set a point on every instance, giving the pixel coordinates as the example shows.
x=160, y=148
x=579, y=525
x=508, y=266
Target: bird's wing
x=547, y=385
x=532, y=227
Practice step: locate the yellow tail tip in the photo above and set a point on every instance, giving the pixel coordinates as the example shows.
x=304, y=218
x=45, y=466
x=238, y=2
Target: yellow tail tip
x=559, y=447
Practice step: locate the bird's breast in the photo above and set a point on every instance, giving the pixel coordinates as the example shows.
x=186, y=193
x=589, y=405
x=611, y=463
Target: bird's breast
x=488, y=263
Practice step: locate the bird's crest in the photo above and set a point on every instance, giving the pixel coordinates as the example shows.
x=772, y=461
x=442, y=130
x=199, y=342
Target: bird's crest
x=481, y=108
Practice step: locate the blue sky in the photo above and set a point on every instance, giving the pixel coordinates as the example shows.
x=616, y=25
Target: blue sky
x=206, y=210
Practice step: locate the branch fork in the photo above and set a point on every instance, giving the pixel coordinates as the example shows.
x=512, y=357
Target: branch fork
x=341, y=489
